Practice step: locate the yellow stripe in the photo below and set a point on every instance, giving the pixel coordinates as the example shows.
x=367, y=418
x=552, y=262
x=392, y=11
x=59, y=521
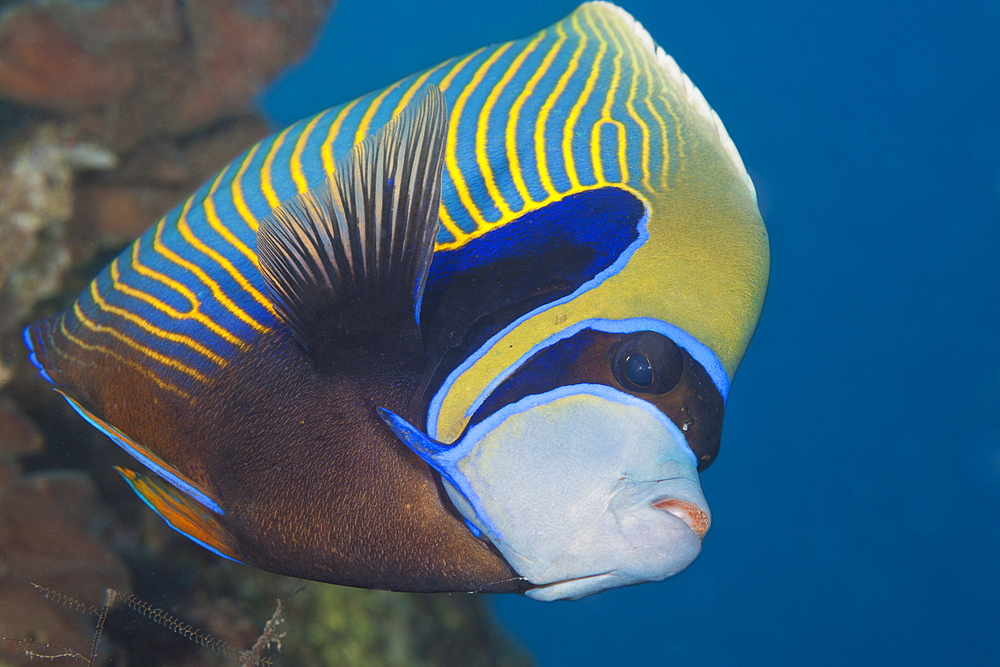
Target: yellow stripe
x=331, y=136
x=449, y=78
x=634, y=61
x=465, y=238
x=607, y=118
x=370, y=112
x=227, y=266
x=129, y=316
x=414, y=88
x=213, y=220
x=237, y=191
x=108, y=352
x=446, y=221
x=217, y=292
x=164, y=279
x=661, y=124
x=543, y=116
x=456, y=116
x=298, y=176
x=482, y=129
x=169, y=310
x=574, y=114
x=515, y=113
x=624, y=168
x=266, y=179
x=445, y=216
x=212, y=217
x=677, y=132
x=152, y=354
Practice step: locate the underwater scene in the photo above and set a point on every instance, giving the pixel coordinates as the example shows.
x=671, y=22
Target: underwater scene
x=397, y=333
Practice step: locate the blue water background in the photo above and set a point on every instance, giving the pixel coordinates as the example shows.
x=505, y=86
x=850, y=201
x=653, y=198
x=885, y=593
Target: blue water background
x=856, y=499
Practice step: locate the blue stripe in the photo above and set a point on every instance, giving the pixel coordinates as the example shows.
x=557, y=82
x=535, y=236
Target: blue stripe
x=32, y=357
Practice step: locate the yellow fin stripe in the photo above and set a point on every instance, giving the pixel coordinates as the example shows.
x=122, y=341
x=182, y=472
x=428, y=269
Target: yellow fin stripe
x=135, y=345
x=170, y=311
x=515, y=114
x=181, y=513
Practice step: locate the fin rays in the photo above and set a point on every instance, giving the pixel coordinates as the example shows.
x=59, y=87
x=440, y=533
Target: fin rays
x=367, y=233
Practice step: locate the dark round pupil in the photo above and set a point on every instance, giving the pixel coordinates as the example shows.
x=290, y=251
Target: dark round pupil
x=638, y=369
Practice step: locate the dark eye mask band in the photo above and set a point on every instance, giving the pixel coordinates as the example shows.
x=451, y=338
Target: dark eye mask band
x=689, y=397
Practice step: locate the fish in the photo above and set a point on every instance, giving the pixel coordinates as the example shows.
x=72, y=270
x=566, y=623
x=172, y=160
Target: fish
x=474, y=331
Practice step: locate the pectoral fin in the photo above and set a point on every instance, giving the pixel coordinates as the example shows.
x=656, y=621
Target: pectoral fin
x=184, y=515
x=147, y=458
x=186, y=506
x=352, y=254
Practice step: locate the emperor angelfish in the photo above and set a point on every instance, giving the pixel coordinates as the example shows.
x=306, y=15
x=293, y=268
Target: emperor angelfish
x=470, y=332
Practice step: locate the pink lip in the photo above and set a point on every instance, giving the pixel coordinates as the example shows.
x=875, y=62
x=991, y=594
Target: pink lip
x=689, y=513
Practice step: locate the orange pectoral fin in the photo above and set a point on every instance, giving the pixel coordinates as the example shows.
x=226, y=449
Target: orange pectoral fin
x=183, y=514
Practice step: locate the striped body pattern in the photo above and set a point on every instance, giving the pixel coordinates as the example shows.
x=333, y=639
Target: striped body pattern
x=188, y=294
x=582, y=146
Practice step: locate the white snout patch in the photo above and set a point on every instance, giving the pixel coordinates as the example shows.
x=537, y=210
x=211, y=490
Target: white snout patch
x=566, y=485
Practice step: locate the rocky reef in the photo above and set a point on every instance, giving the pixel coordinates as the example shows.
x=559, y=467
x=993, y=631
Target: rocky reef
x=111, y=112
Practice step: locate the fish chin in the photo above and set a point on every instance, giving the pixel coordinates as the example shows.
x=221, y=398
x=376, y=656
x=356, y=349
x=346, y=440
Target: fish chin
x=582, y=489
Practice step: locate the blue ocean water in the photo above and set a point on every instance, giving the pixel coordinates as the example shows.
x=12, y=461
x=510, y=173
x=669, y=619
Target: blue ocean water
x=856, y=499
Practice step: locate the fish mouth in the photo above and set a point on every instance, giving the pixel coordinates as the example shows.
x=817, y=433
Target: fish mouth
x=696, y=519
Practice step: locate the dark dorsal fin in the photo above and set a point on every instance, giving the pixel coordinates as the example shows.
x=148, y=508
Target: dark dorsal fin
x=364, y=238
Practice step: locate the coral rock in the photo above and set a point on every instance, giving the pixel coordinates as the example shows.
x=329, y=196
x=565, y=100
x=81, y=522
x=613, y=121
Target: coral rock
x=134, y=68
x=36, y=201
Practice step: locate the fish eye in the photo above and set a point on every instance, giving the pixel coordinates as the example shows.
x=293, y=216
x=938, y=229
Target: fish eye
x=648, y=363
x=638, y=369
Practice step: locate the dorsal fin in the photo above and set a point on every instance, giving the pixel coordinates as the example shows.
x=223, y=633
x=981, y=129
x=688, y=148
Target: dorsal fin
x=365, y=236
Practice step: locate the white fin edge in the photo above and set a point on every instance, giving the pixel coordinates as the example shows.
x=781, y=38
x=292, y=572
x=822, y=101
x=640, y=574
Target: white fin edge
x=691, y=92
